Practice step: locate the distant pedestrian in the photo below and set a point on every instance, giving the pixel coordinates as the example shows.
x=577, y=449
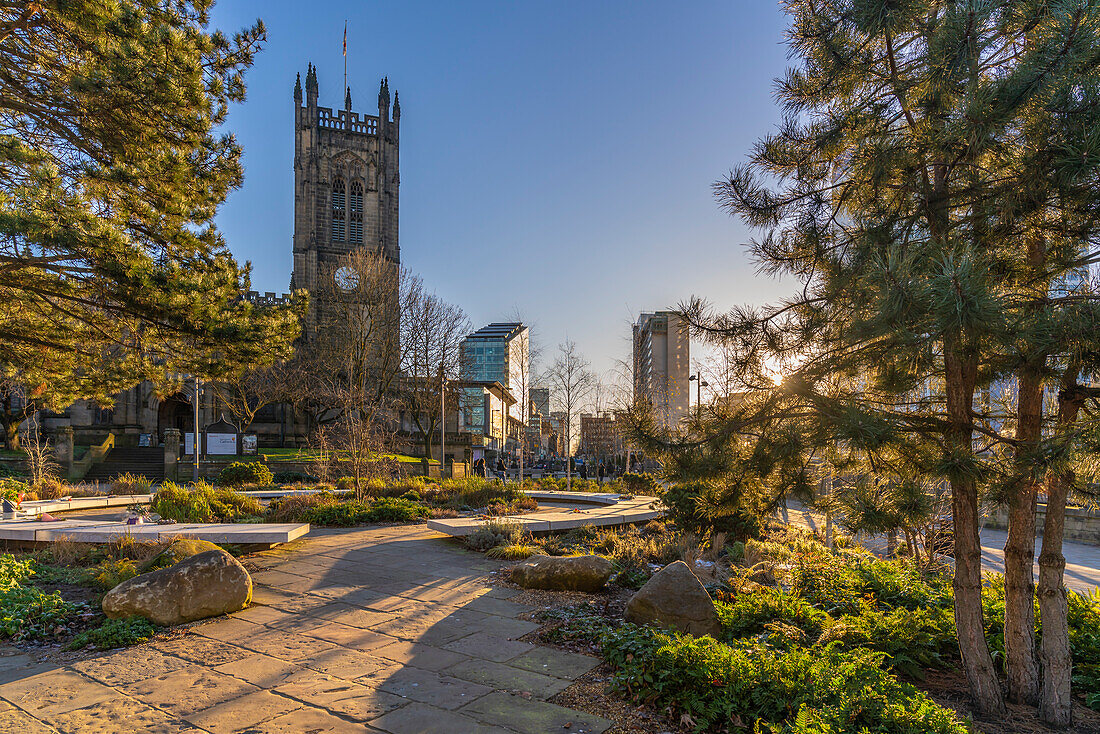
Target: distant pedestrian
x=600, y=472
x=584, y=472
x=502, y=471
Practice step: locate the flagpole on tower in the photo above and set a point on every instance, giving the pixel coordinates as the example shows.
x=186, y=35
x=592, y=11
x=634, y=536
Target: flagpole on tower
x=345, y=54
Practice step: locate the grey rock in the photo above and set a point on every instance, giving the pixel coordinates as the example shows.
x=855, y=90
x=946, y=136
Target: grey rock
x=204, y=585
x=674, y=598
x=565, y=573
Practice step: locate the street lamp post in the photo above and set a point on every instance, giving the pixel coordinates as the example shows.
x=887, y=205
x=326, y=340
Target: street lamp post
x=195, y=432
x=442, y=422
x=700, y=383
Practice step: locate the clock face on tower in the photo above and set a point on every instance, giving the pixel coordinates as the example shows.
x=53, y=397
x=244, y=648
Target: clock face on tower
x=347, y=279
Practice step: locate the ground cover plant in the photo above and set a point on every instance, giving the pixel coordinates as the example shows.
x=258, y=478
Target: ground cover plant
x=26, y=611
x=114, y=633
x=833, y=641
x=53, y=594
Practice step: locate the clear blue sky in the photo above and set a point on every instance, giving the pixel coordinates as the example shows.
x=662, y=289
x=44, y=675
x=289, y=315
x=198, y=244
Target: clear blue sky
x=556, y=157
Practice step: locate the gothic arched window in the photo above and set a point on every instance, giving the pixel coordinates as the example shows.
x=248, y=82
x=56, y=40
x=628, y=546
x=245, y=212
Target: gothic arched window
x=355, y=220
x=338, y=209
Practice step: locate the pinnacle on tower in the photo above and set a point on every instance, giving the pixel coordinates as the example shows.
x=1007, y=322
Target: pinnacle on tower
x=396, y=107
x=384, y=94
x=347, y=99
x=298, y=88
x=311, y=86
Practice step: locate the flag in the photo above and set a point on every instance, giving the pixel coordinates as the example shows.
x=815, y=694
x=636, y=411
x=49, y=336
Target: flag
x=345, y=39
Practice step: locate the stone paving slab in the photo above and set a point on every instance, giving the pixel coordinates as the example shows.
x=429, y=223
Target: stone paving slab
x=508, y=678
x=54, y=692
x=188, y=690
x=558, y=663
x=309, y=719
x=243, y=712
x=425, y=719
x=533, y=717
x=19, y=722
x=119, y=715
x=370, y=630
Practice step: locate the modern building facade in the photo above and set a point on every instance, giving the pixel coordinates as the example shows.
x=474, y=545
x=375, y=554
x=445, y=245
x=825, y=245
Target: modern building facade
x=539, y=399
x=499, y=353
x=662, y=366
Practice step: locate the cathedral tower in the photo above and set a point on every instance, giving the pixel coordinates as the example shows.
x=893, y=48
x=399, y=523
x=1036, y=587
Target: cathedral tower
x=345, y=181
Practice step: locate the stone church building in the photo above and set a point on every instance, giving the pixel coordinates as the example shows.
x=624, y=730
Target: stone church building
x=345, y=197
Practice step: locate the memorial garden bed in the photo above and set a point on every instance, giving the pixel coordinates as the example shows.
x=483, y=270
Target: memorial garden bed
x=51, y=597
x=812, y=640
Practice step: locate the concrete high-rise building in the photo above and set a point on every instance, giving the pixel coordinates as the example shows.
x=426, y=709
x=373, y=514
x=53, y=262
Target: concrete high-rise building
x=499, y=353
x=345, y=182
x=662, y=366
x=540, y=401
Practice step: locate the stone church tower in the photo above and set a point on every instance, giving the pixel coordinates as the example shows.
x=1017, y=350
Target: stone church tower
x=345, y=181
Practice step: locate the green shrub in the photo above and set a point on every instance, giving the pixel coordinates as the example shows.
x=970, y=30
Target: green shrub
x=639, y=483
x=749, y=614
x=913, y=640
x=203, y=503
x=111, y=572
x=684, y=502
x=115, y=633
x=351, y=513
x=715, y=683
x=240, y=473
x=395, y=510
x=494, y=533
x=337, y=514
x=1084, y=642
x=11, y=488
x=25, y=611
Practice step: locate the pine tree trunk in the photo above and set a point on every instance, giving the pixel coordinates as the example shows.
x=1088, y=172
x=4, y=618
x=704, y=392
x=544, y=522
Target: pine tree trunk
x=1020, y=652
x=1056, y=698
x=960, y=378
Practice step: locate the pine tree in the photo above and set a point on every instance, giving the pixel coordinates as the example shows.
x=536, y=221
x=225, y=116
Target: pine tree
x=928, y=187
x=111, y=171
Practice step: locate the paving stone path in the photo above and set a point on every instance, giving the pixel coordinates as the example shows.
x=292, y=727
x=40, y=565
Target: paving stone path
x=368, y=630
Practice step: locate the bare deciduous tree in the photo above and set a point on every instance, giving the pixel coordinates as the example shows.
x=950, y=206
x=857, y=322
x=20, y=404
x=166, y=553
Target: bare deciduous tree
x=432, y=331
x=248, y=392
x=571, y=381
x=525, y=376
x=345, y=371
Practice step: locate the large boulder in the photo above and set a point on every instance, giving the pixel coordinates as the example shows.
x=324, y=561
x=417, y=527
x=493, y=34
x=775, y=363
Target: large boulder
x=204, y=585
x=674, y=598
x=176, y=551
x=563, y=573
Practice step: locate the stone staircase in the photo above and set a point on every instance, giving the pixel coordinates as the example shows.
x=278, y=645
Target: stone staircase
x=143, y=461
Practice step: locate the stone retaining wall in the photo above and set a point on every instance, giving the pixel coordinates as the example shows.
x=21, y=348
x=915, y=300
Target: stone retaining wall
x=1081, y=525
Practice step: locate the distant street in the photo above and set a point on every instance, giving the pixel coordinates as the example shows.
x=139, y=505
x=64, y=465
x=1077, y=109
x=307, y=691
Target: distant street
x=1082, y=560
